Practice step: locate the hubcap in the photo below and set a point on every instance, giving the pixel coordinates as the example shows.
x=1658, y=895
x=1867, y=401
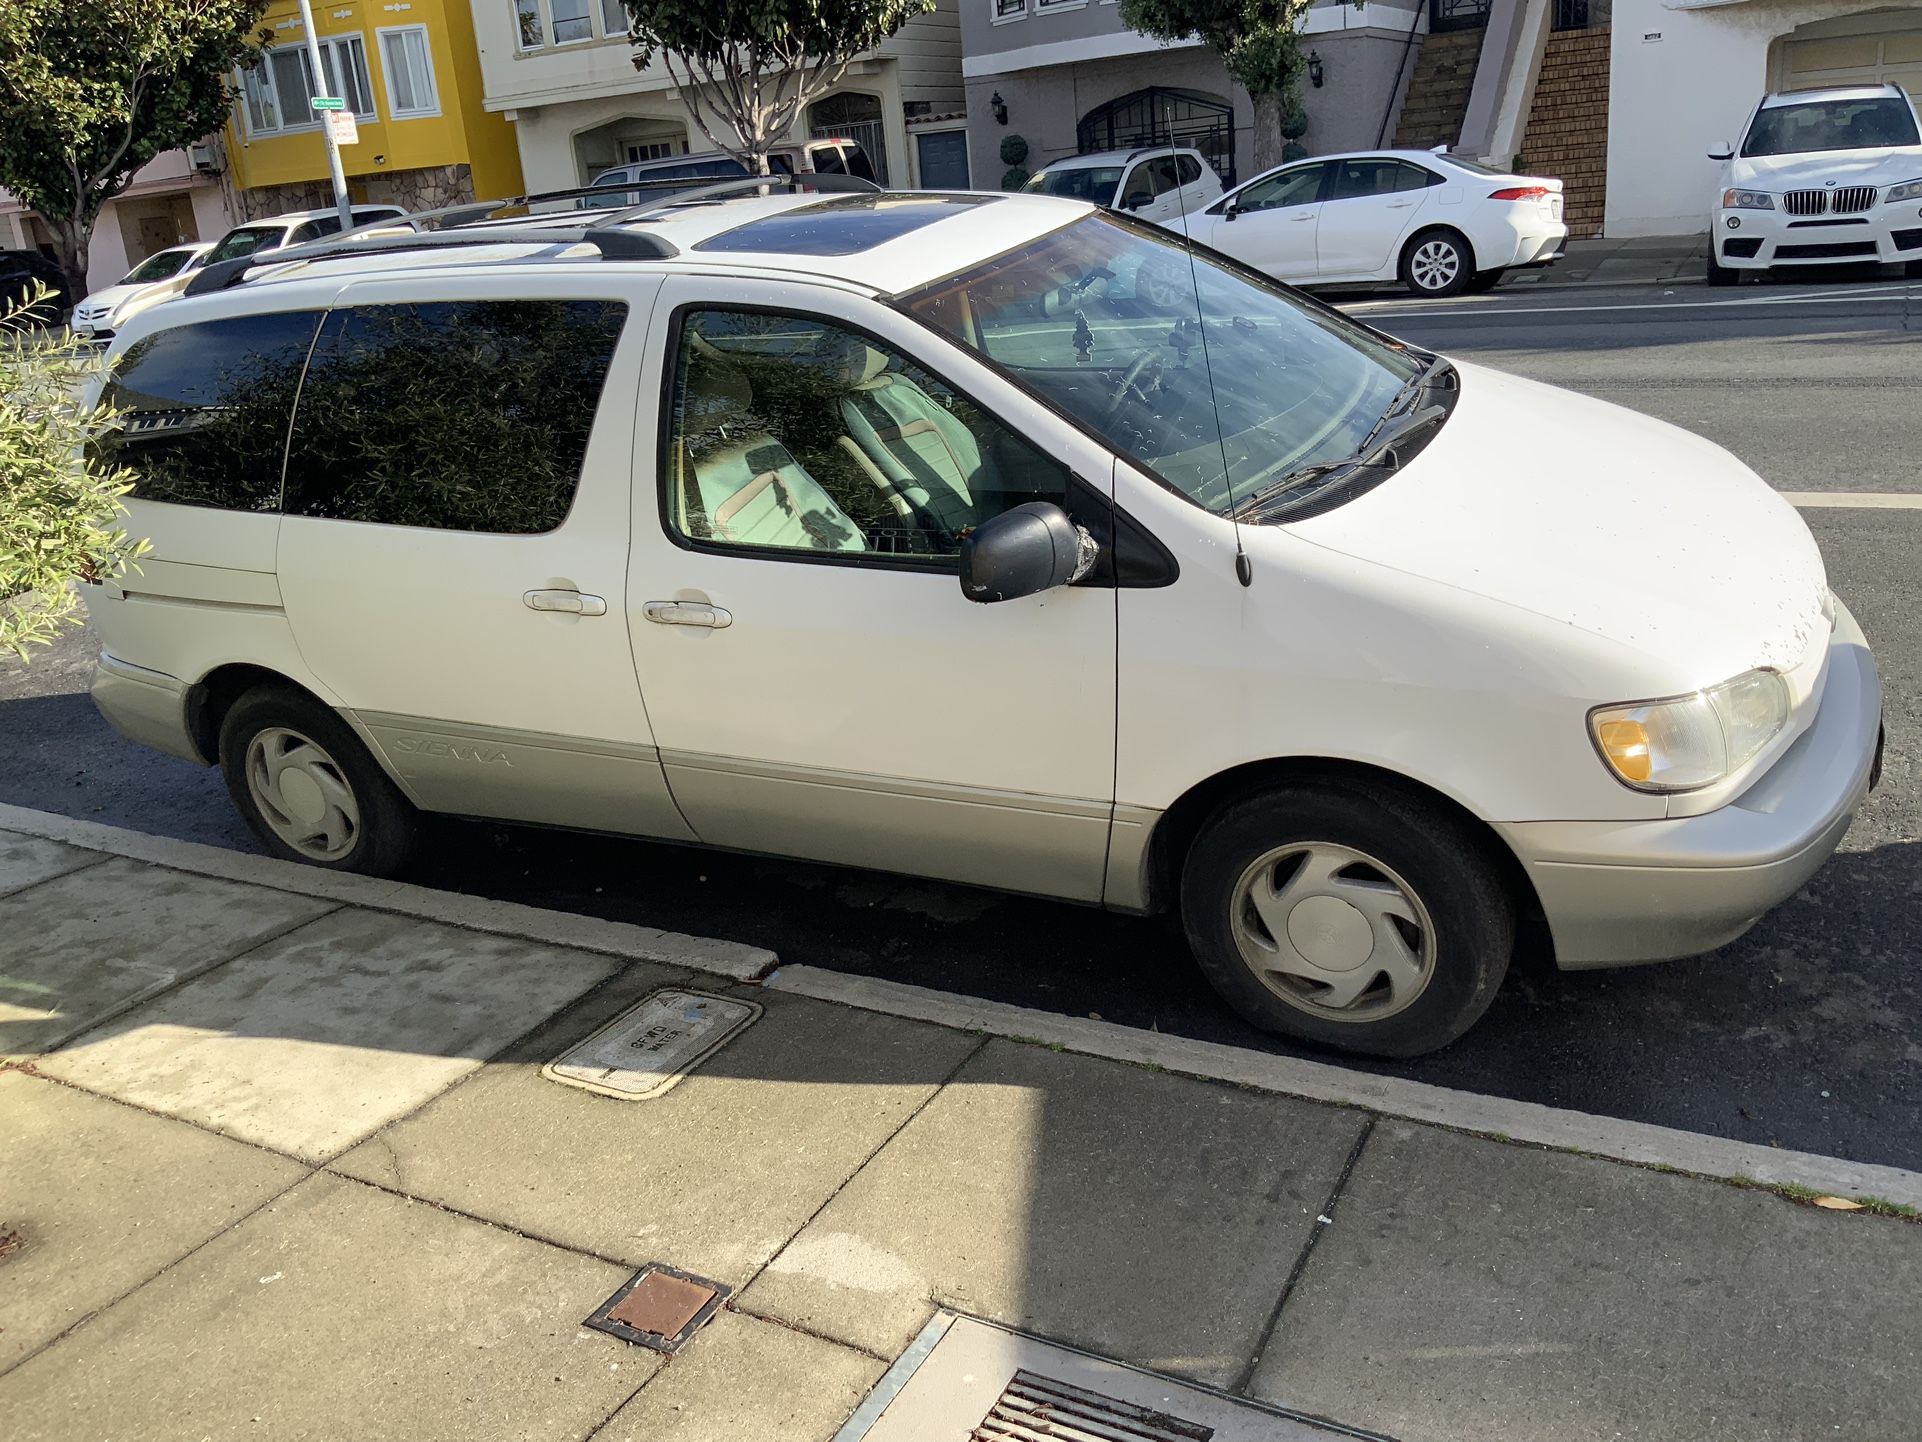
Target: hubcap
x=1333, y=932
x=302, y=794
x=1434, y=264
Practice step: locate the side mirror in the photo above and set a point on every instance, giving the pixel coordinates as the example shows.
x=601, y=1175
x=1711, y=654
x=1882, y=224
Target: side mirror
x=1023, y=552
x=1230, y=211
x=1721, y=150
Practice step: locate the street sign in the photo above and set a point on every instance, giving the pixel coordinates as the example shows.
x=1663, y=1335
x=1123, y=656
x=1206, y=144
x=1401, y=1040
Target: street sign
x=346, y=129
x=328, y=102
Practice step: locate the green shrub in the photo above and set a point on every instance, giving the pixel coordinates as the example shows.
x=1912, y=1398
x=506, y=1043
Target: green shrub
x=1014, y=149
x=60, y=509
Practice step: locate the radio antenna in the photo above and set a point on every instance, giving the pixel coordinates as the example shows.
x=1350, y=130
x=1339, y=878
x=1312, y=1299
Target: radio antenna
x=1244, y=569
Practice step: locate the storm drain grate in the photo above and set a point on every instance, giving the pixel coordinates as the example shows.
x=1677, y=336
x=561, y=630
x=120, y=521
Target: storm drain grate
x=659, y=1307
x=1033, y=1407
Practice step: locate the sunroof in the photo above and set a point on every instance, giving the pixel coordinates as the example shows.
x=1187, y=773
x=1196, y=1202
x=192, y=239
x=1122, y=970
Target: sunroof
x=843, y=225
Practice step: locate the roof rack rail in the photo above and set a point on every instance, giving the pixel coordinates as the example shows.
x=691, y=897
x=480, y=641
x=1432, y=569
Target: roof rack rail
x=827, y=183
x=612, y=245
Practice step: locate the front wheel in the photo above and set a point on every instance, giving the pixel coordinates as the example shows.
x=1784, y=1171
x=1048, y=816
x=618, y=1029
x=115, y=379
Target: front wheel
x=309, y=789
x=1350, y=915
x=1719, y=274
x=1438, y=263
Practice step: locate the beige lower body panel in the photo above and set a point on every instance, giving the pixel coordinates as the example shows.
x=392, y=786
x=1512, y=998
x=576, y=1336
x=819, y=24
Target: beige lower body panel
x=1041, y=845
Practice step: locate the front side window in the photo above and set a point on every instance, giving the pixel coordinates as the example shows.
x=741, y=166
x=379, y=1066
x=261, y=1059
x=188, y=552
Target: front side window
x=202, y=409
x=1300, y=186
x=1094, y=183
x=409, y=66
x=158, y=267
x=793, y=433
x=246, y=240
x=1875, y=123
x=1228, y=388
x=451, y=415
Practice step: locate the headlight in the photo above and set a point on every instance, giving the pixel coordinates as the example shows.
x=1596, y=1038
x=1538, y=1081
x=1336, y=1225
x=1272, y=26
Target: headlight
x=1694, y=741
x=1747, y=200
x=1907, y=190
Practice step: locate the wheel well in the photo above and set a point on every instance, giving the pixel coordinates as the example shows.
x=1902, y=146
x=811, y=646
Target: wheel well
x=1474, y=261
x=214, y=695
x=1175, y=832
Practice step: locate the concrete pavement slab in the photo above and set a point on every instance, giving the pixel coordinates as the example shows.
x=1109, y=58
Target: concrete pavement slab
x=744, y=1380
x=339, y=1311
x=1470, y=1289
x=81, y=948
x=312, y=1042
x=711, y=1177
x=27, y=859
x=97, y=1197
x=1140, y=1215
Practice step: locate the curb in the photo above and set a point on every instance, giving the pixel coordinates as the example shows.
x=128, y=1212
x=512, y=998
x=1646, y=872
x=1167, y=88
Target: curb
x=1639, y=1143
x=500, y=918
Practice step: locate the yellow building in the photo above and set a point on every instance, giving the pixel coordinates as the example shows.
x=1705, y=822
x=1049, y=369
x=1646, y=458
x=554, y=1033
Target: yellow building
x=410, y=72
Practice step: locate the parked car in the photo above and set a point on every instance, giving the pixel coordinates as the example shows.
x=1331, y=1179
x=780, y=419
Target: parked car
x=296, y=227
x=97, y=315
x=815, y=157
x=1157, y=183
x=1440, y=224
x=801, y=525
x=20, y=270
x=1822, y=177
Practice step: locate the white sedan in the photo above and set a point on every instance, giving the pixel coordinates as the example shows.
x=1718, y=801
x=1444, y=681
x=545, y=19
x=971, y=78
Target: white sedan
x=1440, y=224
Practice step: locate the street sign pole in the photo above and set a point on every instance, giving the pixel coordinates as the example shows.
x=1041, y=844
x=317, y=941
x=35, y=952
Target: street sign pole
x=334, y=166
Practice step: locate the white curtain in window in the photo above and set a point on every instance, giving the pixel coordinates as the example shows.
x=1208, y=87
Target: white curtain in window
x=292, y=83
x=410, y=73
x=258, y=87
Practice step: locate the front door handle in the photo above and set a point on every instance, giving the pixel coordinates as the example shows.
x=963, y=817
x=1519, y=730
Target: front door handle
x=570, y=603
x=687, y=613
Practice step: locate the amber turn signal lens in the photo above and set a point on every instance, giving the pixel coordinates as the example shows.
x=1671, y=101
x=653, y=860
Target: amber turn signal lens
x=1626, y=743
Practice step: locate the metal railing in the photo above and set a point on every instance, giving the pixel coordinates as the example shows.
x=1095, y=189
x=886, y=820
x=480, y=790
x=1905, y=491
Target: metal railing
x=1580, y=14
x=1457, y=14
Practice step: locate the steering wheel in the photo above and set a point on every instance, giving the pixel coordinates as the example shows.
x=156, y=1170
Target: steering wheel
x=1133, y=381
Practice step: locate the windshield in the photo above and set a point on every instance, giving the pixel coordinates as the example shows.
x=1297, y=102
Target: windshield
x=1102, y=320
x=246, y=241
x=157, y=267
x=1872, y=124
x=1081, y=182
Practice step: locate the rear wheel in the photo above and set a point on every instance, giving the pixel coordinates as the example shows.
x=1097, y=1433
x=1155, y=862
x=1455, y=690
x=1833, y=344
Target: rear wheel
x=309, y=789
x=1351, y=915
x=1437, y=263
x=1486, y=279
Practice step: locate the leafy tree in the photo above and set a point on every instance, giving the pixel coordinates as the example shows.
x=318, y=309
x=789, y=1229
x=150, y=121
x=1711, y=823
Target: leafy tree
x=748, y=68
x=59, y=504
x=91, y=90
x=1255, y=39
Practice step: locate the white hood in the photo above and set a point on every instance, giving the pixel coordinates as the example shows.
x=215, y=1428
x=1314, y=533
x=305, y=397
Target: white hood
x=1597, y=517
x=1818, y=169
x=105, y=300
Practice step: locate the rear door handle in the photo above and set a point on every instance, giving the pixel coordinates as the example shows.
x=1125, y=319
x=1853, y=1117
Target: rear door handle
x=687, y=613
x=1400, y=204
x=570, y=603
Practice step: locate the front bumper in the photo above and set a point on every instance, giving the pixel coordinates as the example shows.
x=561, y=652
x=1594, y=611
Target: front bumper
x=147, y=707
x=1887, y=235
x=1616, y=893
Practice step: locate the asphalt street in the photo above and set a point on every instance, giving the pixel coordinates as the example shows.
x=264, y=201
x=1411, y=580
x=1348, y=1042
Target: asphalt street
x=1807, y=1033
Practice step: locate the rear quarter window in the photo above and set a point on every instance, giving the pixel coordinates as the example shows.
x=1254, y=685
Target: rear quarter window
x=451, y=415
x=203, y=409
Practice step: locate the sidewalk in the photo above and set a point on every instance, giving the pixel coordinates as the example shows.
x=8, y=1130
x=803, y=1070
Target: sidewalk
x=278, y=1160
x=1641, y=260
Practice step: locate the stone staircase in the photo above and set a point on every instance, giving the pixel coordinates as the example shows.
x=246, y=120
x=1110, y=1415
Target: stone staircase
x=1438, y=90
x=1567, y=134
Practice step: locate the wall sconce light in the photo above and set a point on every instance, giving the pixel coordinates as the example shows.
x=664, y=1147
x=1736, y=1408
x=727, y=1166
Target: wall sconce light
x=1000, y=108
x=1314, y=69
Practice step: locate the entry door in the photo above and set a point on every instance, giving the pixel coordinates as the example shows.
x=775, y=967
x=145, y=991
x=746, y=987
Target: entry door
x=1274, y=223
x=1370, y=206
x=453, y=553
x=818, y=684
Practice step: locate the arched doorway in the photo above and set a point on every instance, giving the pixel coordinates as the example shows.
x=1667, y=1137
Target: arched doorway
x=630, y=138
x=853, y=115
x=1163, y=116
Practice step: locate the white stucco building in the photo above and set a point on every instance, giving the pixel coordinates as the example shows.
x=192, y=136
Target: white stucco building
x=170, y=200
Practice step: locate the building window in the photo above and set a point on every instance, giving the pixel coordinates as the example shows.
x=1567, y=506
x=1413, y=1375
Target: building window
x=409, y=65
x=1010, y=9
x=279, y=90
x=572, y=21
x=527, y=22
x=614, y=19
x=568, y=22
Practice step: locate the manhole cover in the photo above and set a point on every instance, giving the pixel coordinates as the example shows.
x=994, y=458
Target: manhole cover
x=659, y=1307
x=653, y=1044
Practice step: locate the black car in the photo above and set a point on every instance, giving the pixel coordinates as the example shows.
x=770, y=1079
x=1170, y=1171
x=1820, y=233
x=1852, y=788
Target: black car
x=19, y=269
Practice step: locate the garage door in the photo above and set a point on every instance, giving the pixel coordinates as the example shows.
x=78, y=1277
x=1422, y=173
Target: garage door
x=1859, y=50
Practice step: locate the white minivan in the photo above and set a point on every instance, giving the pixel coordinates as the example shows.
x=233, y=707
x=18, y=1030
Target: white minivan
x=870, y=528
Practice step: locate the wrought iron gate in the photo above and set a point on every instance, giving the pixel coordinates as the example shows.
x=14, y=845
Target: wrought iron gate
x=1162, y=116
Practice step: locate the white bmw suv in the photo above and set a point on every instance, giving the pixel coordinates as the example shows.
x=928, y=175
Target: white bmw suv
x=1823, y=177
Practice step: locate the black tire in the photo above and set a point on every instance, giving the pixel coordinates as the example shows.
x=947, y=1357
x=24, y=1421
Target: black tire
x=1415, y=257
x=1719, y=274
x=1485, y=280
x=1414, y=845
x=380, y=841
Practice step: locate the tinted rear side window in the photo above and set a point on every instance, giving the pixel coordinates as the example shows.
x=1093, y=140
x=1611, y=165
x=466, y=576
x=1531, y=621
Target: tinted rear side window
x=451, y=415
x=204, y=409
